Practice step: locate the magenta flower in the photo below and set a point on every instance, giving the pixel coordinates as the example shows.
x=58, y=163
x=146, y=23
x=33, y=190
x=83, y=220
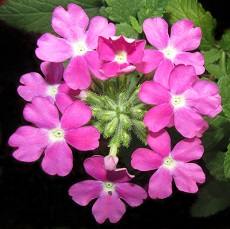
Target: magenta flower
x=120, y=54
x=53, y=135
x=75, y=43
x=170, y=164
x=182, y=104
x=51, y=87
x=172, y=50
x=109, y=187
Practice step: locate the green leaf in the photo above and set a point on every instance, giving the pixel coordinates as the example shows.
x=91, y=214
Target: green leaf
x=152, y=8
x=126, y=30
x=227, y=163
x=35, y=16
x=121, y=10
x=224, y=88
x=226, y=110
x=211, y=56
x=135, y=24
x=212, y=198
x=215, y=164
x=191, y=9
x=225, y=40
x=215, y=70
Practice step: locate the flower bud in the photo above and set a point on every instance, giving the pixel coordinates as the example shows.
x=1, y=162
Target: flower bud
x=110, y=127
x=110, y=162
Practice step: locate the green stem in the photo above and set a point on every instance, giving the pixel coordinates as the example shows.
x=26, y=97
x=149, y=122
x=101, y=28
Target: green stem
x=223, y=62
x=113, y=150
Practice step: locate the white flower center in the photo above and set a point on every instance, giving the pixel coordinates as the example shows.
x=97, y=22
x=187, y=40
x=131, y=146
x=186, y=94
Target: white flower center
x=169, y=163
x=79, y=48
x=52, y=90
x=169, y=52
x=178, y=101
x=121, y=57
x=109, y=187
x=56, y=134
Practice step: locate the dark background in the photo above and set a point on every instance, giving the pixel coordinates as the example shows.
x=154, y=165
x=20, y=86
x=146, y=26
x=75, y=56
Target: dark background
x=31, y=199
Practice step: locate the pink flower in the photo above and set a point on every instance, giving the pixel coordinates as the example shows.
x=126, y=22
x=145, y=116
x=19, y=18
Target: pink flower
x=109, y=187
x=52, y=135
x=75, y=43
x=182, y=104
x=172, y=50
x=119, y=54
x=51, y=87
x=170, y=164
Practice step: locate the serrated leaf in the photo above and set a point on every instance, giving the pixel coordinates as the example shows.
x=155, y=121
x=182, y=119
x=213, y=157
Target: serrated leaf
x=121, y=10
x=35, y=16
x=224, y=88
x=126, y=30
x=226, y=110
x=191, y=9
x=135, y=24
x=215, y=164
x=225, y=40
x=211, y=56
x=215, y=70
x=152, y=8
x=227, y=163
x=213, y=198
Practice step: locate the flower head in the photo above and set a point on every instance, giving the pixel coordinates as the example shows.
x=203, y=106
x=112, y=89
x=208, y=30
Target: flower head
x=171, y=50
x=53, y=135
x=75, y=43
x=170, y=164
x=119, y=55
x=182, y=103
x=109, y=187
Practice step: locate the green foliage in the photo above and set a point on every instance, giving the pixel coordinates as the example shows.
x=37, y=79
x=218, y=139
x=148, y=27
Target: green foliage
x=127, y=30
x=227, y=163
x=191, y=9
x=225, y=40
x=35, y=15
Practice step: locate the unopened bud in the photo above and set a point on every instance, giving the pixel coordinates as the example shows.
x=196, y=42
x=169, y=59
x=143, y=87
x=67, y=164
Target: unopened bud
x=110, y=162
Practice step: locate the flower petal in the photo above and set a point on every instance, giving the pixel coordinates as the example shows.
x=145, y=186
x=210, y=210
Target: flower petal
x=48, y=45
x=145, y=160
x=34, y=85
x=150, y=61
x=76, y=115
x=85, y=191
x=83, y=138
x=160, y=142
x=119, y=175
x=188, y=150
x=77, y=74
x=186, y=175
x=52, y=71
x=99, y=26
x=58, y=159
x=94, y=166
x=110, y=69
x=153, y=93
x=195, y=59
x=70, y=24
x=108, y=207
x=31, y=142
x=133, y=194
x=188, y=122
x=42, y=113
x=136, y=53
x=156, y=31
x=160, y=184
x=184, y=37
x=158, y=117
x=105, y=49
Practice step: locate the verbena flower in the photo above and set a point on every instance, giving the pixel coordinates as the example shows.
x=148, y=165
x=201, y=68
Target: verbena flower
x=52, y=87
x=53, y=135
x=171, y=50
x=109, y=187
x=182, y=104
x=119, y=54
x=75, y=43
x=170, y=164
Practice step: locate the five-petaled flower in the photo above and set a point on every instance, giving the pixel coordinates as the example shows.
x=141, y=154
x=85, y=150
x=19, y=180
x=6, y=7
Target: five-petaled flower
x=170, y=164
x=77, y=44
x=52, y=135
x=109, y=187
x=182, y=104
x=172, y=50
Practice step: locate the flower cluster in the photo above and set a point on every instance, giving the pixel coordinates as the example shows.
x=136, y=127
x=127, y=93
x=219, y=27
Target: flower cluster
x=105, y=89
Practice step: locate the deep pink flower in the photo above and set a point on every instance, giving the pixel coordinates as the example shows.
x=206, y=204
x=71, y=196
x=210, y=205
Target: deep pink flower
x=119, y=54
x=171, y=50
x=75, y=43
x=170, y=164
x=109, y=187
x=51, y=87
x=53, y=135
x=182, y=104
